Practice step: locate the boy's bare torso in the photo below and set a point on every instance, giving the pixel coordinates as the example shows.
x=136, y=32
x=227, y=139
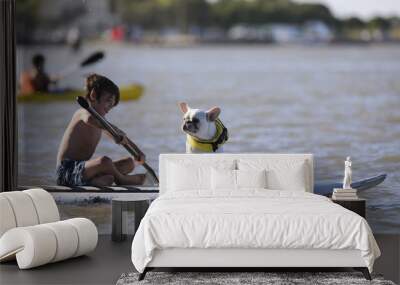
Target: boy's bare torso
x=80, y=139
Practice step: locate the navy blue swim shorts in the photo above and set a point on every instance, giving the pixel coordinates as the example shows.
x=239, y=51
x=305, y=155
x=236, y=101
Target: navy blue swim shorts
x=70, y=173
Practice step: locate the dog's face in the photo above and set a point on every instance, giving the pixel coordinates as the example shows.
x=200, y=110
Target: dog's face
x=199, y=123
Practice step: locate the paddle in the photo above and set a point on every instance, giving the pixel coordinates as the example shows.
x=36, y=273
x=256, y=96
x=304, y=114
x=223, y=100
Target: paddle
x=107, y=126
x=93, y=58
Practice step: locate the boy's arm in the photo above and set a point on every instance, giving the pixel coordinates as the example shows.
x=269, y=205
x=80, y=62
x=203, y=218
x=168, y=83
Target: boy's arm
x=126, y=140
x=142, y=158
x=90, y=120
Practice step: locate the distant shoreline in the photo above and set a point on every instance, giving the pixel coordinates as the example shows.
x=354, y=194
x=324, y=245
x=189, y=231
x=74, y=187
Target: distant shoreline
x=221, y=43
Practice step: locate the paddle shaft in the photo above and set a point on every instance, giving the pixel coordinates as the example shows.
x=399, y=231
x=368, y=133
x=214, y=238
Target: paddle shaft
x=108, y=127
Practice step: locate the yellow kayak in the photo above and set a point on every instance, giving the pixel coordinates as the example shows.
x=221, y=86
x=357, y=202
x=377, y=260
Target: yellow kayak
x=131, y=92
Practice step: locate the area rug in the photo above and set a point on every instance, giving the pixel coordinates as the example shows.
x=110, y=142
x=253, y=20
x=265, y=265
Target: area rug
x=242, y=278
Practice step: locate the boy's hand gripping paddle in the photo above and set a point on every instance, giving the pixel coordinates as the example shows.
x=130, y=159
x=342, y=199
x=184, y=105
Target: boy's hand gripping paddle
x=107, y=126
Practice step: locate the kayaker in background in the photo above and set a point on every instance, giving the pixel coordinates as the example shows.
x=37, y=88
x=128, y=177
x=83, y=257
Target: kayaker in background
x=37, y=79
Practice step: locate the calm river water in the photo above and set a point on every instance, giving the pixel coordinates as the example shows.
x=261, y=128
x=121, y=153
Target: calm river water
x=330, y=101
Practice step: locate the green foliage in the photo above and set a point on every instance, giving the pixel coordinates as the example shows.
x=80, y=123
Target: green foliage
x=379, y=23
x=353, y=23
x=183, y=14
x=224, y=13
x=161, y=13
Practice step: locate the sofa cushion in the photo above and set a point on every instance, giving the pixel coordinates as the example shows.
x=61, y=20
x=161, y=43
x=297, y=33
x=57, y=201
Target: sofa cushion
x=23, y=208
x=7, y=220
x=67, y=239
x=26, y=208
x=45, y=205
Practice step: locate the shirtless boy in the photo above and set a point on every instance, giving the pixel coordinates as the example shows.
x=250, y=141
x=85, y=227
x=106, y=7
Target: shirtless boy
x=75, y=166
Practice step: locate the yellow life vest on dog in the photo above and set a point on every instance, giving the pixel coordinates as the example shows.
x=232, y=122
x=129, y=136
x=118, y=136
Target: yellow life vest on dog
x=221, y=136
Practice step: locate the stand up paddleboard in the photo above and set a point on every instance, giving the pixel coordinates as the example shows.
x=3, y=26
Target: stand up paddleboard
x=326, y=189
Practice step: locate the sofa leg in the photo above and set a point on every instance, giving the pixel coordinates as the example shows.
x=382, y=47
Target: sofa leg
x=143, y=274
x=364, y=271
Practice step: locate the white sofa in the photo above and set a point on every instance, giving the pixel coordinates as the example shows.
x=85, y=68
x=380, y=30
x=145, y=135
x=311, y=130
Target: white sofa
x=31, y=231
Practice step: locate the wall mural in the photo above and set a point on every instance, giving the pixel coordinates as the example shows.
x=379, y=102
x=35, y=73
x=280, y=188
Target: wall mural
x=304, y=86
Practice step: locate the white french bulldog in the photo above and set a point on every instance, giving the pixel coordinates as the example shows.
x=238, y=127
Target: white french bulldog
x=204, y=131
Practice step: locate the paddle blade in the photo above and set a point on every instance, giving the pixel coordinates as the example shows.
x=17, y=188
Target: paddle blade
x=83, y=102
x=95, y=57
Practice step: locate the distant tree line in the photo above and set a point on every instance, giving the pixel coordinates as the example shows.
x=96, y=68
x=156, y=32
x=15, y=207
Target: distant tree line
x=155, y=14
x=184, y=14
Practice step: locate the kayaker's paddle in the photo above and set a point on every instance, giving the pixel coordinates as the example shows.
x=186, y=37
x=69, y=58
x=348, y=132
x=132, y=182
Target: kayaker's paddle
x=93, y=58
x=107, y=126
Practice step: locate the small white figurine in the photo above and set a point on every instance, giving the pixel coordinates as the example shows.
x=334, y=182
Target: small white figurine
x=347, y=174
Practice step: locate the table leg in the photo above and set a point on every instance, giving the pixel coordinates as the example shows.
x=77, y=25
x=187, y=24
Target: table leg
x=116, y=231
x=140, y=208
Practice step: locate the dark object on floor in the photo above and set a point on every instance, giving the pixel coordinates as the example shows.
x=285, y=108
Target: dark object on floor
x=364, y=271
x=326, y=189
x=143, y=274
x=244, y=278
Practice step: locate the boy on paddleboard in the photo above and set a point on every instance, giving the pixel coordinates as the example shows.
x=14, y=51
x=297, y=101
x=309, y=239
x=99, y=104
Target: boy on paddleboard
x=75, y=165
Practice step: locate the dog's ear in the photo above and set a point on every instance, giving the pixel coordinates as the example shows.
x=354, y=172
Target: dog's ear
x=184, y=107
x=213, y=114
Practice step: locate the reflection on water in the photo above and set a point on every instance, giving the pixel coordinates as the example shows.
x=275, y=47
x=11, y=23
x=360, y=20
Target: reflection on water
x=329, y=101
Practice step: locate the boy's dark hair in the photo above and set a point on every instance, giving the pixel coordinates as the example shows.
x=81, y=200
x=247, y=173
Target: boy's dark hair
x=38, y=60
x=101, y=84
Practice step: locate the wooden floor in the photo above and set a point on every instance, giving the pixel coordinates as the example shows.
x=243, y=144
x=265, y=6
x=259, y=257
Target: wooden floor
x=111, y=259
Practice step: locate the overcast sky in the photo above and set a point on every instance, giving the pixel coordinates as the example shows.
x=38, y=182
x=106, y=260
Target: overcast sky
x=361, y=8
